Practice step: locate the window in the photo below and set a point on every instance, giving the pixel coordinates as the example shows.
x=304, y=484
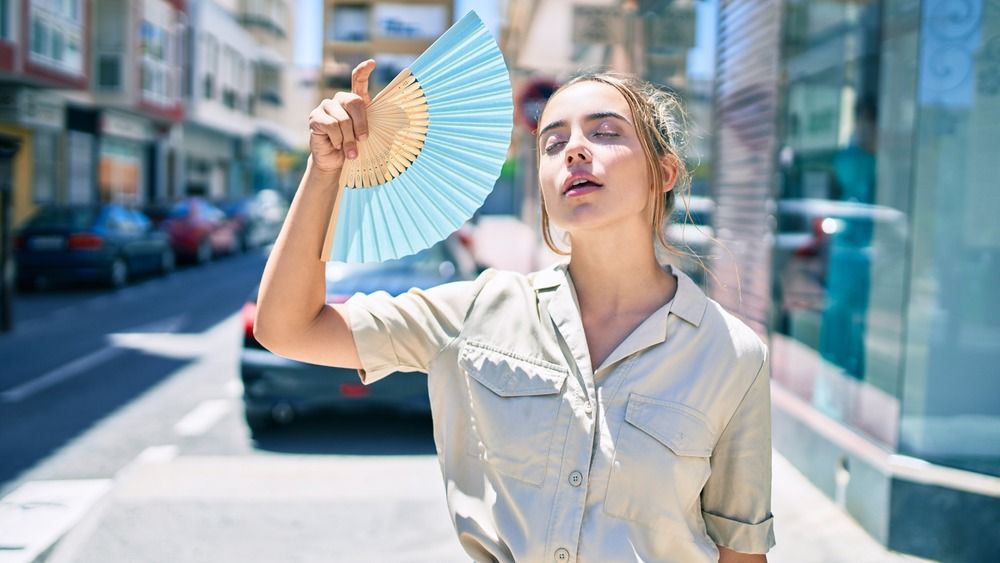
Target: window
x=39, y=37
x=404, y=21
x=348, y=23
x=834, y=224
x=55, y=35
x=46, y=161
x=5, y=28
x=156, y=67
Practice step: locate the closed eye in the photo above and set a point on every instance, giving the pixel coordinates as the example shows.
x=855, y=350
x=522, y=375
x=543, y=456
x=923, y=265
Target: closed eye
x=549, y=149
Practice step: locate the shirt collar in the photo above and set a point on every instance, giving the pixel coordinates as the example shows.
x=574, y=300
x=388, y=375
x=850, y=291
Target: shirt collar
x=689, y=301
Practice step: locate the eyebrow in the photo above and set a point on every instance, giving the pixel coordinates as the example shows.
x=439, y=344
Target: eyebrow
x=591, y=117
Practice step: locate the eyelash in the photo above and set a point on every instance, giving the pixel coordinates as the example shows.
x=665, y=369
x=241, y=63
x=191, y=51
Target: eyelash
x=548, y=149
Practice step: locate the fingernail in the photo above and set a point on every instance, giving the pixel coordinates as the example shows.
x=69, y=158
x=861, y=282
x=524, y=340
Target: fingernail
x=363, y=136
x=352, y=154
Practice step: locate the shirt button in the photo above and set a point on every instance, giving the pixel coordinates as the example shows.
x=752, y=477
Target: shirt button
x=562, y=554
x=588, y=408
x=576, y=478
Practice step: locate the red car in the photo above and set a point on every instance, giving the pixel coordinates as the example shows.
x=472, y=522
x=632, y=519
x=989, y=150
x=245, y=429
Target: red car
x=200, y=231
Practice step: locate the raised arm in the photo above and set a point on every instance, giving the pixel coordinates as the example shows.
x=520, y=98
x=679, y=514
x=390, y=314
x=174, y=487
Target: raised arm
x=293, y=318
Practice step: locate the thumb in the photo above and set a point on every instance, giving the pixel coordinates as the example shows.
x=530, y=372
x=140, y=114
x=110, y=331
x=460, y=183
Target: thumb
x=359, y=79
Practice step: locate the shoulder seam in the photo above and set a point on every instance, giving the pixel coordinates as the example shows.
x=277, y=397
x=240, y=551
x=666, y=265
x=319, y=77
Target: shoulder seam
x=481, y=282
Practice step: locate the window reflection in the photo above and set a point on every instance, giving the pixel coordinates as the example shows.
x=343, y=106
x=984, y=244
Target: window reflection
x=832, y=231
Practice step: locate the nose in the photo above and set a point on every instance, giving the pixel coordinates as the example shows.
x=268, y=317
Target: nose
x=576, y=150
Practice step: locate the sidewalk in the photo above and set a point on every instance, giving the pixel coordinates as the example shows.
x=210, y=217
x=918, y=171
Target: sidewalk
x=811, y=528
x=238, y=510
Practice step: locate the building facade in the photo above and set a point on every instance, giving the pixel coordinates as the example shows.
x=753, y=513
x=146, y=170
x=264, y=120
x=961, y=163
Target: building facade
x=393, y=32
x=855, y=189
x=44, y=46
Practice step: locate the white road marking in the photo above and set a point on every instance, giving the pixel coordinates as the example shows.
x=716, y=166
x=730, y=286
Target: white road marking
x=203, y=417
x=157, y=454
x=38, y=513
x=234, y=388
x=84, y=363
x=60, y=374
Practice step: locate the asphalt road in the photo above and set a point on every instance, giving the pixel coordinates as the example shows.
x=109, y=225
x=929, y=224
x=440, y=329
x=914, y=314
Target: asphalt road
x=77, y=356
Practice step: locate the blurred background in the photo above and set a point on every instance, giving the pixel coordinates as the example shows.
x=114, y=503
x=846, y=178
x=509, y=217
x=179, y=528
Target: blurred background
x=844, y=203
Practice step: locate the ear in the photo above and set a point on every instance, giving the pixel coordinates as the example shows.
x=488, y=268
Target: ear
x=671, y=171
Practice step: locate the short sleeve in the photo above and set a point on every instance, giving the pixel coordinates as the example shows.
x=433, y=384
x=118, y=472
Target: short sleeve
x=407, y=331
x=736, y=500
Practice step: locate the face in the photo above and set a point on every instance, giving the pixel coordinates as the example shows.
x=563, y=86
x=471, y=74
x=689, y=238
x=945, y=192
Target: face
x=587, y=137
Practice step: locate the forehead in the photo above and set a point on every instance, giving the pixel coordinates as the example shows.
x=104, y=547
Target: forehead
x=585, y=98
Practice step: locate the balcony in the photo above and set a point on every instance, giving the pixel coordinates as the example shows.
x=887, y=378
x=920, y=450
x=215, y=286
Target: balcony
x=269, y=15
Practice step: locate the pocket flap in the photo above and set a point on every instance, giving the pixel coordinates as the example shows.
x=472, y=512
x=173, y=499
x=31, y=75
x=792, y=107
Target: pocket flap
x=674, y=425
x=508, y=374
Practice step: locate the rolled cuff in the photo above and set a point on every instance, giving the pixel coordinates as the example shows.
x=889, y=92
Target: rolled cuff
x=740, y=536
x=373, y=343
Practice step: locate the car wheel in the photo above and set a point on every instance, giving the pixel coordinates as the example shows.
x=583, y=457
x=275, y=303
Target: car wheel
x=258, y=419
x=118, y=274
x=204, y=253
x=26, y=284
x=168, y=261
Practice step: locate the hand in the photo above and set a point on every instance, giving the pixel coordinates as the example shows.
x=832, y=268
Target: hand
x=338, y=123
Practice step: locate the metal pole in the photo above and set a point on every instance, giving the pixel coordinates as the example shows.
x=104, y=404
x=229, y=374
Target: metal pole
x=8, y=148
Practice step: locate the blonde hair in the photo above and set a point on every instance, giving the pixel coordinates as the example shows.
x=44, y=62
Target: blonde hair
x=661, y=125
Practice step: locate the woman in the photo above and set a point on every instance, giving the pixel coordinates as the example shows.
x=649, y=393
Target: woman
x=600, y=410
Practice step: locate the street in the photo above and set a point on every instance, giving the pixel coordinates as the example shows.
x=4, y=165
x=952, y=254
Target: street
x=129, y=441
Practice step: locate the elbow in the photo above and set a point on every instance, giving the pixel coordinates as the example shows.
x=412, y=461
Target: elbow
x=263, y=332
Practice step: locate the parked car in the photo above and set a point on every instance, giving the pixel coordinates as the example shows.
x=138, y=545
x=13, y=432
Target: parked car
x=105, y=243
x=200, y=231
x=276, y=389
x=258, y=218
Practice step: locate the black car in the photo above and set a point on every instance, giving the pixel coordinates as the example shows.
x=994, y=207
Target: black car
x=108, y=244
x=276, y=389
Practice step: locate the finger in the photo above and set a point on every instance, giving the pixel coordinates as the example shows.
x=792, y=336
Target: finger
x=350, y=144
x=346, y=129
x=356, y=108
x=331, y=117
x=359, y=79
x=319, y=122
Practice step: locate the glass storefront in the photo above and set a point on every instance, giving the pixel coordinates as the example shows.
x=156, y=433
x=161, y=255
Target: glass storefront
x=885, y=245
x=951, y=393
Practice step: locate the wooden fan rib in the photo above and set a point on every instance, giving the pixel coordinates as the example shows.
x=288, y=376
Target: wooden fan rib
x=402, y=77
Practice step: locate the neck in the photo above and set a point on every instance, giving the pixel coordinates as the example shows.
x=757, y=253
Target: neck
x=613, y=275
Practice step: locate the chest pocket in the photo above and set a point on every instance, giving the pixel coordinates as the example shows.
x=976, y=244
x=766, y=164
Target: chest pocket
x=661, y=462
x=515, y=404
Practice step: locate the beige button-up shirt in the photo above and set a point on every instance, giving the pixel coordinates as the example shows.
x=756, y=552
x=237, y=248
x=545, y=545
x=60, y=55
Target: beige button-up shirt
x=658, y=454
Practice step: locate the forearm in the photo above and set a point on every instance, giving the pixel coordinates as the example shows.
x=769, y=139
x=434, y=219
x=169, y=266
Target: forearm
x=293, y=286
x=727, y=555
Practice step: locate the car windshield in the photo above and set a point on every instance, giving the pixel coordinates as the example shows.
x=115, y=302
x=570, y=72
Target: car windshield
x=64, y=217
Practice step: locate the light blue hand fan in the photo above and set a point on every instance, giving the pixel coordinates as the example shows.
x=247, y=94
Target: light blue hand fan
x=437, y=137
